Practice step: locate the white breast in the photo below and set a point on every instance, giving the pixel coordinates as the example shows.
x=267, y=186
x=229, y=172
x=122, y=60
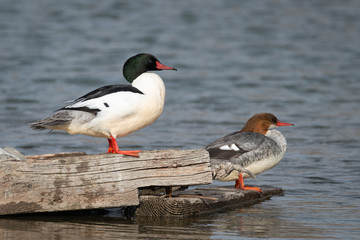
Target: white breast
x=127, y=111
x=272, y=154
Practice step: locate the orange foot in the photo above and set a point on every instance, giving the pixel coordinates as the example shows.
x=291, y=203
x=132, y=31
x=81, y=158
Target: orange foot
x=113, y=148
x=239, y=184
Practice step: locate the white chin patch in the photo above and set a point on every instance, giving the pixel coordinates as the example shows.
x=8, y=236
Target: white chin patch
x=231, y=147
x=272, y=126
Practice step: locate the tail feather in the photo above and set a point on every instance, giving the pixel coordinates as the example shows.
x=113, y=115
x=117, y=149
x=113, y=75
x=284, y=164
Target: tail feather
x=38, y=126
x=45, y=124
x=53, y=122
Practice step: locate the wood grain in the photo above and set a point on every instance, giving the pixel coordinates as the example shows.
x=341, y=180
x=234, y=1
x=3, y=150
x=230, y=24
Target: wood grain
x=201, y=201
x=58, y=182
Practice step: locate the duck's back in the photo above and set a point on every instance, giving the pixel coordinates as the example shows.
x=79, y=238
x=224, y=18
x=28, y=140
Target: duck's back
x=255, y=152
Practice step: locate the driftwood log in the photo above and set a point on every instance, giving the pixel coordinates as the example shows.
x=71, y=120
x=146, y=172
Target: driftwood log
x=60, y=182
x=201, y=201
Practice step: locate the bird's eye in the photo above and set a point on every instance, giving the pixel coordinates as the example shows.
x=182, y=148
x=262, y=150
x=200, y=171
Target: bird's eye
x=273, y=120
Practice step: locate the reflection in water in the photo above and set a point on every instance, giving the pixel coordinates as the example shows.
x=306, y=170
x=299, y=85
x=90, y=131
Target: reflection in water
x=98, y=227
x=60, y=229
x=263, y=220
x=264, y=223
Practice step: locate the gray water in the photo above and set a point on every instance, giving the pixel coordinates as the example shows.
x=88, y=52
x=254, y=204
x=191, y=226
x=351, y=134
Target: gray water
x=297, y=59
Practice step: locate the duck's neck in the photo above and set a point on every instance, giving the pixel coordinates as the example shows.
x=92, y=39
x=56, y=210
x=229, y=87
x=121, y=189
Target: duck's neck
x=277, y=137
x=151, y=85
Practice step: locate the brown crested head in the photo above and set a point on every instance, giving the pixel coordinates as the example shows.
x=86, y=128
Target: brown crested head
x=262, y=122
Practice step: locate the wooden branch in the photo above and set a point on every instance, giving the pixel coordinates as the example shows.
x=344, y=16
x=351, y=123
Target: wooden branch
x=47, y=183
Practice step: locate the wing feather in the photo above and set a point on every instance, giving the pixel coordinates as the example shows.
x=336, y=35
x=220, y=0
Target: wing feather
x=235, y=144
x=241, y=148
x=107, y=98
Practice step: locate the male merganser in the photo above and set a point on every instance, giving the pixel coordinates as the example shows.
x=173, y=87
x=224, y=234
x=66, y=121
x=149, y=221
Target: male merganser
x=246, y=153
x=114, y=111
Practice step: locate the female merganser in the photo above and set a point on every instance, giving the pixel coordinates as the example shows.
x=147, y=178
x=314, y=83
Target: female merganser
x=115, y=110
x=249, y=152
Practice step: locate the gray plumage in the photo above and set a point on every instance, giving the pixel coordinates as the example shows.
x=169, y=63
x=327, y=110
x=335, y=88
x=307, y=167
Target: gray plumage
x=239, y=150
x=61, y=119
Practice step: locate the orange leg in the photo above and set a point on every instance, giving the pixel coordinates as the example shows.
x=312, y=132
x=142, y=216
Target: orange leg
x=168, y=191
x=239, y=184
x=113, y=148
x=110, y=146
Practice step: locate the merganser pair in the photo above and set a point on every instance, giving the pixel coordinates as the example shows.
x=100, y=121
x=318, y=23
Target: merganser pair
x=246, y=153
x=115, y=110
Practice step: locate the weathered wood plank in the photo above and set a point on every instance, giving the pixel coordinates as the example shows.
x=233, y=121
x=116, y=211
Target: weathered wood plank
x=71, y=182
x=201, y=201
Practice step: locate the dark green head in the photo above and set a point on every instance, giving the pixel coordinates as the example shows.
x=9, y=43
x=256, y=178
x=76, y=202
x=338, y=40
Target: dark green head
x=141, y=63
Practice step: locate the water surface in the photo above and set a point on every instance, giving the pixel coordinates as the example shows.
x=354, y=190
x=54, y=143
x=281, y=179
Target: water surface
x=297, y=59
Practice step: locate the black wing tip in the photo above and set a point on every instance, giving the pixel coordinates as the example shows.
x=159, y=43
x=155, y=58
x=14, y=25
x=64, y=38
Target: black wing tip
x=108, y=89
